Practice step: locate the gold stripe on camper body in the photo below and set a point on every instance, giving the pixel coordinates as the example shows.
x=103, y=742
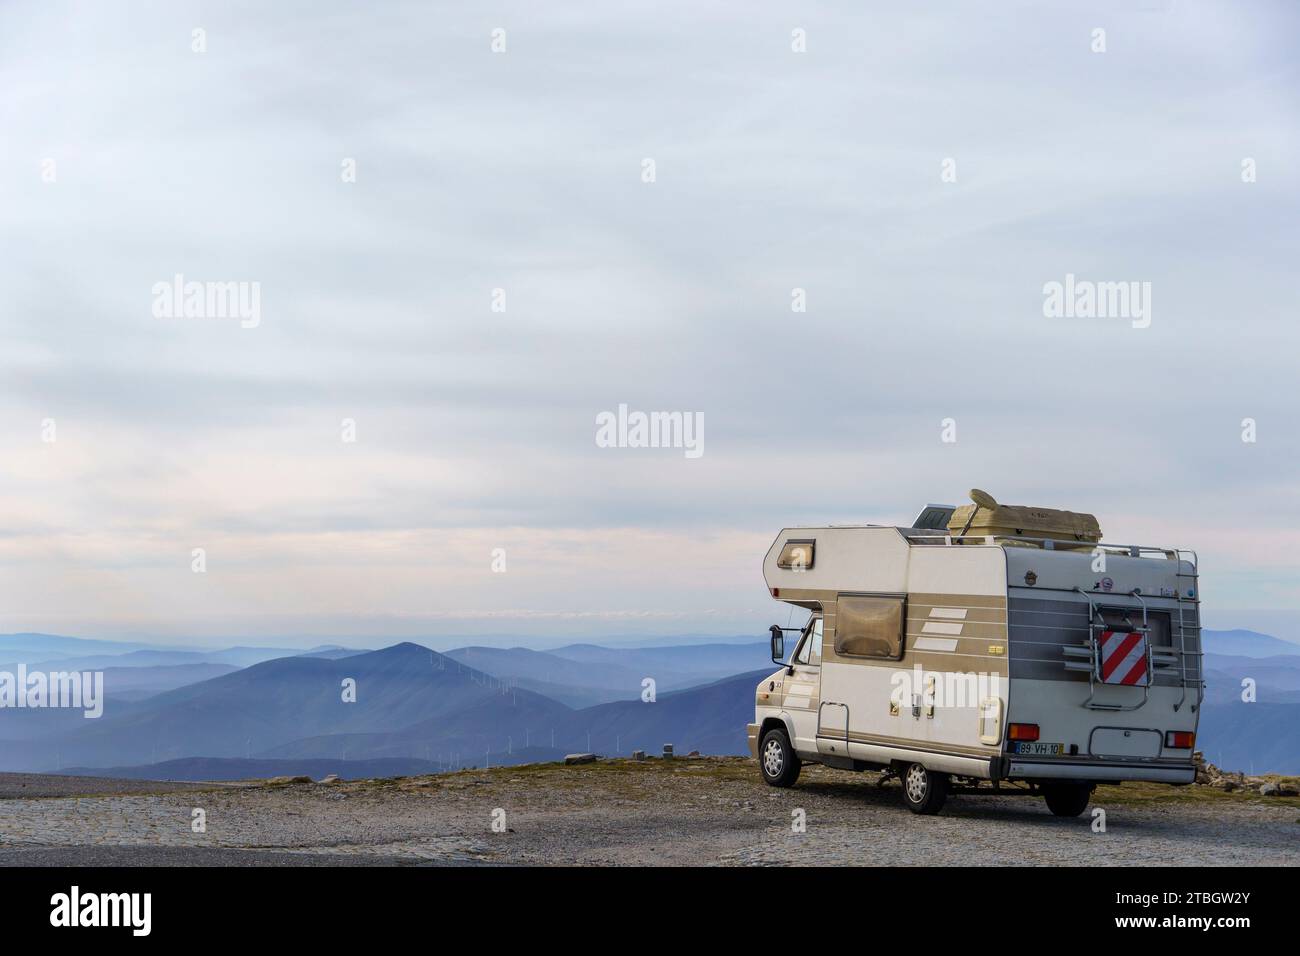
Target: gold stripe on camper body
x=998, y=601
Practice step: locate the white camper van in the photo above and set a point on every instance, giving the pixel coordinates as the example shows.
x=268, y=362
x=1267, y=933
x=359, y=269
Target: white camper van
x=986, y=648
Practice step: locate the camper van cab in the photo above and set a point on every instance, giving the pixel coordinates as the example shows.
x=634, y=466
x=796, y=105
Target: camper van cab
x=986, y=648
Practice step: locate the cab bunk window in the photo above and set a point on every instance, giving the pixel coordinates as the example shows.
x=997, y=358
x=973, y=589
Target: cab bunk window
x=797, y=555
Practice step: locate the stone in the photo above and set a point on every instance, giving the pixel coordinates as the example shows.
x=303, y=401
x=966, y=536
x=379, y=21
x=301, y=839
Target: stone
x=579, y=758
x=280, y=780
x=329, y=778
x=1269, y=790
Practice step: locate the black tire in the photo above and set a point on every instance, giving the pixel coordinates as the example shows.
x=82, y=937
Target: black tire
x=777, y=761
x=1067, y=799
x=924, y=791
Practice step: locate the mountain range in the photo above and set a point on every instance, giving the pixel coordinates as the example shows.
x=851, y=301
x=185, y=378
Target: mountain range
x=333, y=706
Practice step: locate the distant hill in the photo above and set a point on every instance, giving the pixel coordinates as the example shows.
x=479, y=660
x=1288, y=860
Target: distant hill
x=233, y=768
x=50, y=652
x=138, y=682
x=29, y=647
x=236, y=768
x=332, y=653
x=581, y=675
x=1276, y=679
x=713, y=660
x=1246, y=644
x=1255, y=738
x=500, y=704
x=268, y=704
x=710, y=719
x=1263, y=735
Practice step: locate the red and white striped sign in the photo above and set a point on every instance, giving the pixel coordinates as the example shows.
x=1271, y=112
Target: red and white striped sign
x=1124, y=658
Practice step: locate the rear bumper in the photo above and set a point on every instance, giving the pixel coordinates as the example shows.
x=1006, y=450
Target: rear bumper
x=751, y=731
x=1096, y=770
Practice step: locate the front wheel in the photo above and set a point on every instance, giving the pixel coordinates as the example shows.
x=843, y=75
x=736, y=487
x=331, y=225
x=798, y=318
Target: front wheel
x=924, y=791
x=1067, y=799
x=777, y=760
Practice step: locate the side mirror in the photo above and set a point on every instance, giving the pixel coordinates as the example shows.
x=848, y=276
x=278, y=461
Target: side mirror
x=778, y=644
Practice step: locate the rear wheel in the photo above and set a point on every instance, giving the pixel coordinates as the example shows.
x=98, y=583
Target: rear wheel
x=924, y=791
x=777, y=760
x=1067, y=799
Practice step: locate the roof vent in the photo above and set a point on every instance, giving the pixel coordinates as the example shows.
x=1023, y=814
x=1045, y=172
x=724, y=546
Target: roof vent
x=934, y=518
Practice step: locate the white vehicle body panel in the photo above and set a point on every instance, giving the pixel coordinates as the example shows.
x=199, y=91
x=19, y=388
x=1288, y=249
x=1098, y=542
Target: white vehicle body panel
x=994, y=632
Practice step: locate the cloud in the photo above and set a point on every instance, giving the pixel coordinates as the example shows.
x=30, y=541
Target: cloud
x=522, y=171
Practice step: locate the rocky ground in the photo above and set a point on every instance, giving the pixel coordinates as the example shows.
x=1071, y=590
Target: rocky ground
x=686, y=811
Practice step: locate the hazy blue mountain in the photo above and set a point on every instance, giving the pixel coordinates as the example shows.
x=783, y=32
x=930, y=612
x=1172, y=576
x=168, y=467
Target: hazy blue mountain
x=1276, y=679
x=142, y=658
x=123, y=688
x=1256, y=738
x=134, y=683
x=710, y=719
x=692, y=657
x=332, y=652
x=29, y=647
x=239, y=768
x=248, y=711
x=1246, y=644
x=414, y=704
x=596, y=675
x=56, y=654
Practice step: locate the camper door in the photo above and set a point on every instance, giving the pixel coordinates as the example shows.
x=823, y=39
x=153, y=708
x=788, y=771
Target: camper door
x=862, y=654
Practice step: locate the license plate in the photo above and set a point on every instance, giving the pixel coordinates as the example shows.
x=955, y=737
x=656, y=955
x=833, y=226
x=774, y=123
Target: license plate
x=1036, y=749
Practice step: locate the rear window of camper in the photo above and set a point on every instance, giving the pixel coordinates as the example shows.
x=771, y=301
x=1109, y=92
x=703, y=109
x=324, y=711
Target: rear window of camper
x=1159, y=622
x=869, y=627
x=796, y=555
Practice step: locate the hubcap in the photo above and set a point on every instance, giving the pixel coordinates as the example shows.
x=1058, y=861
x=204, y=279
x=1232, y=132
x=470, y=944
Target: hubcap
x=773, y=758
x=915, y=781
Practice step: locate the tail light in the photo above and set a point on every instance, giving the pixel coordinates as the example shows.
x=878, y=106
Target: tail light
x=1022, y=731
x=1180, y=739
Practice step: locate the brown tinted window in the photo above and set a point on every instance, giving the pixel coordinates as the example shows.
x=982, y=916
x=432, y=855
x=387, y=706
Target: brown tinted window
x=1157, y=621
x=869, y=627
x=796, y=556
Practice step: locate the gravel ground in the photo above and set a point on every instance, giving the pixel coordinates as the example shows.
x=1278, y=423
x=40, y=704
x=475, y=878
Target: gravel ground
x=702, y=811
x=55, y=785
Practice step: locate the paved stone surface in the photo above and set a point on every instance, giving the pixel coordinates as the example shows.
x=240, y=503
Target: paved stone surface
x=706, y=811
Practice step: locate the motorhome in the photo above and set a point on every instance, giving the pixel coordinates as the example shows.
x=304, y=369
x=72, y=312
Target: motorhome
x=981, y=649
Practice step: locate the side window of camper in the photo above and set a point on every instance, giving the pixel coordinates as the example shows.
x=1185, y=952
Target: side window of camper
x=869, y=627
x=810, y=651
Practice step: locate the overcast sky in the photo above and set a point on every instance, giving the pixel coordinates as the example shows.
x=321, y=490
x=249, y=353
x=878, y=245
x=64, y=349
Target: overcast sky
x=128, y=158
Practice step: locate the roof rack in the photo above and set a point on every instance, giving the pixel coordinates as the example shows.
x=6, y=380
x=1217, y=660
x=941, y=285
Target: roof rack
x=1051, y=544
